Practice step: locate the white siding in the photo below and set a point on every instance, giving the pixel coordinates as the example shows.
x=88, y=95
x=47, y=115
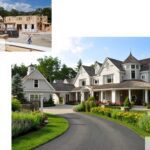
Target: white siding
x=82, y=75
x=112, y=69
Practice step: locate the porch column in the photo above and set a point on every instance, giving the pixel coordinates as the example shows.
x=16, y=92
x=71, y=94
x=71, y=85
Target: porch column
x=82, y=96
x=113, y=96
x=91, y=93
x=146, y=96
x=129, y=95
x=41, y=103
x=76, y=96
x=101, y=96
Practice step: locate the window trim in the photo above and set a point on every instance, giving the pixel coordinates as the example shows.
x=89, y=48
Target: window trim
x=36, y=84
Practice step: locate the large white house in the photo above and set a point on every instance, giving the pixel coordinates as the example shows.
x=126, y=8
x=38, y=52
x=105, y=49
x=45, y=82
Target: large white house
x=113, y=80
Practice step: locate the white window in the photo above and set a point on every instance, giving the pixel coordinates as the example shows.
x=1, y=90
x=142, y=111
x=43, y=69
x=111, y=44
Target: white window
x=35, y=97
x=133, y=74
x=132, y=66
x=36, y=83
x=83, y=83
x=96, y=81
x=108, y=79
x=137, y=66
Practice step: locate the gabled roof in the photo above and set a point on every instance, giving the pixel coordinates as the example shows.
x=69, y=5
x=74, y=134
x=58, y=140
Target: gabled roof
x=100, y=64
x=145, y=64
x=117, y=63
x=131, y=59
x=62, y=86
x=90, y=70
x=28, y=77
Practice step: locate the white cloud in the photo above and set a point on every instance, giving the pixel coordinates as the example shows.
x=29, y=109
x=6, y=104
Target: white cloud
x=68, y=44
x=17, y=5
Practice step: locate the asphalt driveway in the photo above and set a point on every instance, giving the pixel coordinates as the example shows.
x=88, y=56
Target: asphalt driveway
x=93, y=133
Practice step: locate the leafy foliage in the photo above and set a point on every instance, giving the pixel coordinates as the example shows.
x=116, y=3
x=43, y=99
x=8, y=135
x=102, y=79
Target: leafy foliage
x=127, y=102
x=21, y=70
x=16, y=105
x=23, y=122
x=39, y=11
x=49, y=103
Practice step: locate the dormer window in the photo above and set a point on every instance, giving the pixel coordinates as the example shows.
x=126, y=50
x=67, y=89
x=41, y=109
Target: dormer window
x=36, y=83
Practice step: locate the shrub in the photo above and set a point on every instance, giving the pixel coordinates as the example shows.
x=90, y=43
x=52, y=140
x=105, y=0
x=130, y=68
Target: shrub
x=49, y=103
x=24, y=122
x=16, y=105
x=79, y=107
x=89, y=104
x=127, y=102
x=130, y=117
x=144, y=123
x=92, y=98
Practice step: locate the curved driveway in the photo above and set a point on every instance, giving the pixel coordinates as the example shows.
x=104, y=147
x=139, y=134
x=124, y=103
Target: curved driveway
x=92, y=133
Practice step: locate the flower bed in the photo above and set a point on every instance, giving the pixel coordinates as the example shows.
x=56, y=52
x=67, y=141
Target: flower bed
x=24, y=122
x=140, y=120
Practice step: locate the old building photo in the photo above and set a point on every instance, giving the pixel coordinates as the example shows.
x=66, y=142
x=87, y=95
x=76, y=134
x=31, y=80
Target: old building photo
x=26, y=29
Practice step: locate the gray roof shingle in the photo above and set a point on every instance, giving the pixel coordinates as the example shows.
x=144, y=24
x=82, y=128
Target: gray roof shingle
x=131, y=59
x=62, y=86
x=125, y=84
x=90, y=70
x=117, y=63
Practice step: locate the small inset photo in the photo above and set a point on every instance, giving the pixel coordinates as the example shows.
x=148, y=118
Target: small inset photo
x=25, y=26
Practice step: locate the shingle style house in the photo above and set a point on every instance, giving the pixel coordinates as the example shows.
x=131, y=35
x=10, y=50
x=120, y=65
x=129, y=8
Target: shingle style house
x=114, y=80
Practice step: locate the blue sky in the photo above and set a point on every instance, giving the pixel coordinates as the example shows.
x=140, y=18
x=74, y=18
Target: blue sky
x=24, y=5
x=90, y=49
x=34, y=3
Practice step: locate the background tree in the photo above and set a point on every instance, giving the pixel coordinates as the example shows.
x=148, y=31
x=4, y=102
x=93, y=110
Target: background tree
x=21, y=70
x=17, y=88
x=49, y=67
x=67, y=72
x=79, y=64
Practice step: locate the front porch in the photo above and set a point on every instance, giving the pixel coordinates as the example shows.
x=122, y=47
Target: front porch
x=115, y=96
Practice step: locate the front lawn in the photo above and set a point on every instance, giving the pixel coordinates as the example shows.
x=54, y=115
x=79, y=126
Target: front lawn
x=56, y=126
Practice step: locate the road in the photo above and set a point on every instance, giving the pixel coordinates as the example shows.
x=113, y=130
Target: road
x=94, y=133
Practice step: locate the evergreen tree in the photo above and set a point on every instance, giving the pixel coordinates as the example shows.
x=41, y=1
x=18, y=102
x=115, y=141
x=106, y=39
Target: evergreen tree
x=17, y=88
x=79, y=64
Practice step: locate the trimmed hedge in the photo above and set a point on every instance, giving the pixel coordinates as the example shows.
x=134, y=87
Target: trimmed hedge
x=24, y=122
x=140, y=120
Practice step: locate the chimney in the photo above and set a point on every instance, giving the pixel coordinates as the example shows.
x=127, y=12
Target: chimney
x=31, y=68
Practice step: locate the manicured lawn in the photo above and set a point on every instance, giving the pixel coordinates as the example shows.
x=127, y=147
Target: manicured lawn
x=130, y=126
x=55, y=127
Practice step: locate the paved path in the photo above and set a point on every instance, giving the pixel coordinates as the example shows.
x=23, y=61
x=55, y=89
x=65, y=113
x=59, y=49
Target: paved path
x=93, y=133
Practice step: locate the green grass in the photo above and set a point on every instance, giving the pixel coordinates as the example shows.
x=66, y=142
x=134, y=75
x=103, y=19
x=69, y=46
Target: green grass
x=135, y=129
x=55, y=127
